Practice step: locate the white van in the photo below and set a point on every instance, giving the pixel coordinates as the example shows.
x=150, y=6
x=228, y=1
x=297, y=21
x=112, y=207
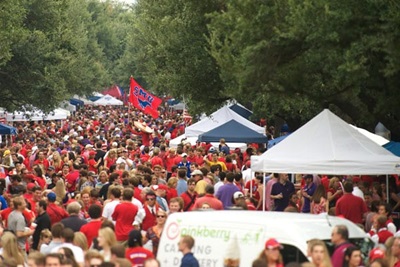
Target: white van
x=232, y=234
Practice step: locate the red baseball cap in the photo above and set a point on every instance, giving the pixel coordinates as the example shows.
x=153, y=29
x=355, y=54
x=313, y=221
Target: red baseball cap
x=159, y=186
x=273, y=243
x=376, y=253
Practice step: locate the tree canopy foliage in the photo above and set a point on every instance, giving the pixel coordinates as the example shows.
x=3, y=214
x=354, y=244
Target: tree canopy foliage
x=52, y=49
x=284, y=59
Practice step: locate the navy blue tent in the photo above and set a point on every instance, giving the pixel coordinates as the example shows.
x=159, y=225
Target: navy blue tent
x=233, y=132
x=76, y=102
x=245, y=113
x=7, y=129
x=94, y=98
x=393, y=147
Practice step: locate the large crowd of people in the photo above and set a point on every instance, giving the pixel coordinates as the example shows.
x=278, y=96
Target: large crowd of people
x=98, y=187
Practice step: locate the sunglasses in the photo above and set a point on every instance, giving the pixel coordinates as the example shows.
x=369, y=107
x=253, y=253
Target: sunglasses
x=160, y=216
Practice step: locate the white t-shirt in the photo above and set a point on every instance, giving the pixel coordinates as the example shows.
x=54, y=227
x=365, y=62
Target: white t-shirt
x=78, y=252
x=109, y=208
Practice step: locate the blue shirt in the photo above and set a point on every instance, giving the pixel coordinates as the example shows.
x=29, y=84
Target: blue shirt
x=286, y=189
x=187, y=165
x=189, y=260
x=3, y=203
x=181, y=186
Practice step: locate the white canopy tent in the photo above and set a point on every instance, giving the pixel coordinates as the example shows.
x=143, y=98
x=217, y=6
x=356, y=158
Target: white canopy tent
x=67, y=106
x=108, y=100
x=218, y=118
x=374, y=137
x=327, y=145
x=37, y=115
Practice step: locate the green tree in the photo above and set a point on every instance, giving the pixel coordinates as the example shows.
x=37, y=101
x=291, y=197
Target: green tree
x=51, y=57
x=167, y=46
x=296, y=57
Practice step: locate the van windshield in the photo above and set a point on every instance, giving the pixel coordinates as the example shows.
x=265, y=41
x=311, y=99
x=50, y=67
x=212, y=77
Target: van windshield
x=365, y=244
x=293, y=254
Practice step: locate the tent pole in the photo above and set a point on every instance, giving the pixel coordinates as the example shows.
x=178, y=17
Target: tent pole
x=264, y=197
x=387, y=188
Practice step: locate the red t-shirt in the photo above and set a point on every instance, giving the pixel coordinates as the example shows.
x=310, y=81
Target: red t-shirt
x=124, y=215
x=43, y=162
x=56, y=213
x=91, y=230
x=41, y=182
x=170, y=159
x=138, y=255
x=351, y=207
x=144, y=158
x=71, y=179
x=92, y=163
x=157, y=161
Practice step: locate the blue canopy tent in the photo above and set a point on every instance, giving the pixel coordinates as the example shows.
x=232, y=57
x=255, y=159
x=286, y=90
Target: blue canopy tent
x=393, y=147
x=7, y=129
x=94, y=98
x=275, y=141
x=242, y=111
x=76, y=102
x=233, y=132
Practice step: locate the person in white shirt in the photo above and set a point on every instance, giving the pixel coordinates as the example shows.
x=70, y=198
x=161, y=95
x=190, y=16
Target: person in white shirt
x=356, y=189
x=123, y=158
x=108, y=210
x=67, y=236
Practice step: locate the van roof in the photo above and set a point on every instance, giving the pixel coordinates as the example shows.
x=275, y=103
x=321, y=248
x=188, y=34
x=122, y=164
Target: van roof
x=252, y=228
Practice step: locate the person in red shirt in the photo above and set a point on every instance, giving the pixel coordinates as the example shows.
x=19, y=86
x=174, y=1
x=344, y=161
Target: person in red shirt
x=42, y=161
x=36, y=197
x=209, y=199
x=170, y=160
x=72, y=177
x=55, y=212
x=91, y=229
x=29, y=193
x=92, y=163
x=191, y=157
x=150, y=207
x=38, y=177
x=144, y=155
x=350, y=206
x=395, y=249
x=380, y=233
x=124, y=215
x=135, y=252
x=156, y=159
x=189, y=197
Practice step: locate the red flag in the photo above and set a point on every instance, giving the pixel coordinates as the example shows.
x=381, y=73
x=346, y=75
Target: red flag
x=114, y=91
x=143, y=100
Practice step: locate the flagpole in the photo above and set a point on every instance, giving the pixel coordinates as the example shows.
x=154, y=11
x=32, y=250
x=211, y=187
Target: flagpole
x=129, y=102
